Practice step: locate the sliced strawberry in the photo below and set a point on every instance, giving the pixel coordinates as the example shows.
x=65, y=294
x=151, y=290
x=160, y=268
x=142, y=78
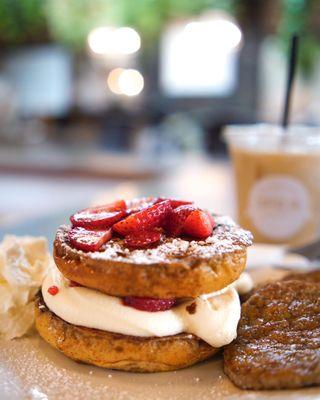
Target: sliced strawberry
x=96, y=219
x=137, y=205
x=176, y=203
x=143, y=239
x=177, y=218
x=83, y=239
x=149, y=304
x=100, y=216
x=198, y=225
x=147, y=219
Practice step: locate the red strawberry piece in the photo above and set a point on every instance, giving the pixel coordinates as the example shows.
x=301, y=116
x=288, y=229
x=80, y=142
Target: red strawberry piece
x=177, y=218
x=137, y=205
x=53, y=290
x=83, y=239
x=198, y=225
x=147, y=219
x=149, y=304
x=101, y=216
x=177, y=203
x=140, y=240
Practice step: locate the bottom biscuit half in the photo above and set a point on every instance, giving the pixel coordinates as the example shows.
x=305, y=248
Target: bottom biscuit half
x=121, y=352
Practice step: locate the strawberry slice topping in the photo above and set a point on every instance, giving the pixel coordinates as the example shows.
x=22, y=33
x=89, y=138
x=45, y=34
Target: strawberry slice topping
x=141, y=222
x=149, y=304
x=83, y=239
x=137, y=205
x=198, y=225
x=141, y=240
x=100, y=217
x=146, y=202
x=177, y=203
x=177, y=218
x=147, y=219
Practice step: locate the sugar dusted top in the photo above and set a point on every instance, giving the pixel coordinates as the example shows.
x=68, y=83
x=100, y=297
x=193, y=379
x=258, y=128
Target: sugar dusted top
x=226, y=237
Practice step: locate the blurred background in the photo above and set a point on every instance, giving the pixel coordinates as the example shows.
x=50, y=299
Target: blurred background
x=117, y=98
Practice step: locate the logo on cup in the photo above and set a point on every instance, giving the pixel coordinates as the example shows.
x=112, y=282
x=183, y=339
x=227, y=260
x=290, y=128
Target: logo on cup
x=278, y=206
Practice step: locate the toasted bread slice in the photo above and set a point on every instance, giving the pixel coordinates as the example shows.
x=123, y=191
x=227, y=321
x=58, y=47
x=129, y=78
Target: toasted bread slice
x=176, y=268
x=116, y=351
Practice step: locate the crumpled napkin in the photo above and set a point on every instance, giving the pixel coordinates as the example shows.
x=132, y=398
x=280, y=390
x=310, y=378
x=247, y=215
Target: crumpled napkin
x=24, y=262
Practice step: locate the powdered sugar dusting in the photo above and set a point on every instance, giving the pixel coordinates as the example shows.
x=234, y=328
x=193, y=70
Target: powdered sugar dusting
x=31, y=369
x=39, y=372
x=227, y=237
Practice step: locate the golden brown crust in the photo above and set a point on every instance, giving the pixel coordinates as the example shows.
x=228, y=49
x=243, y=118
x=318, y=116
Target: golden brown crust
x=180, y=278
x=122, y=352
x=278, y=342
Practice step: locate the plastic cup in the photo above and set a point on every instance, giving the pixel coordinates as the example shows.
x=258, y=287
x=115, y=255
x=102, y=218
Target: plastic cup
x=277, y=179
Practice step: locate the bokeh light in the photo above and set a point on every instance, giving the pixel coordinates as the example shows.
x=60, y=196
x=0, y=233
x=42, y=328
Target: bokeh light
x=100, y=40
x=126, y=40
x=114, y=41
x=113, y=80
x=131, y=82
x=128, y=82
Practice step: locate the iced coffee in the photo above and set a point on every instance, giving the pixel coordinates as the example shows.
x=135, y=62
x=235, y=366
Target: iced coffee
x=277, y=179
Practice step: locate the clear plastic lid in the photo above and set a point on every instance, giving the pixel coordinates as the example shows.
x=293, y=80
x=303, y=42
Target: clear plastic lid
x=267, y=137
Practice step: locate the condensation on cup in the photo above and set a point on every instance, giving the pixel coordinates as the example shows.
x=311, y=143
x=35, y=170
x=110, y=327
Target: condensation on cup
x=277, y=179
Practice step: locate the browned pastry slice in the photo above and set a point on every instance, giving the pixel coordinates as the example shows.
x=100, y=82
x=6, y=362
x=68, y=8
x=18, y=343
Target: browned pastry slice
x=176, y=268
x=312, y=276
x=278, y=343
x=116, y=351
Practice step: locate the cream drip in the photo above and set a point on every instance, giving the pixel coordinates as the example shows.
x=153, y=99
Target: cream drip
x=244, y=283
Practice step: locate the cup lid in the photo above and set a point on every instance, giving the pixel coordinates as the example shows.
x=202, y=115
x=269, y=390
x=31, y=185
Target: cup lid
x=268, y=136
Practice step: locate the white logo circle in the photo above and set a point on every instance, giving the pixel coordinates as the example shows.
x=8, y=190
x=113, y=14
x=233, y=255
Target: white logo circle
x=278, y=206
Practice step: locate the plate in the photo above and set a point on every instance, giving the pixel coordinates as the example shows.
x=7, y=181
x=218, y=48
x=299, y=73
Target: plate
x=31, y=369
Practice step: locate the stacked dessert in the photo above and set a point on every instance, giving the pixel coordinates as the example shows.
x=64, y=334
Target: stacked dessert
x=144, y=285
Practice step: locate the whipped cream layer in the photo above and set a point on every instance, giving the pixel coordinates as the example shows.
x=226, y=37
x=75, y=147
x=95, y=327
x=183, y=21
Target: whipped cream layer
x=213, y=318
